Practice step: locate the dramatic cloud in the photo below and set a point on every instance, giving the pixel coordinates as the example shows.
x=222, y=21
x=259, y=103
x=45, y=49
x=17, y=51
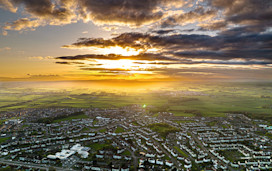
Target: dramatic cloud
x=168, y=36
x=6, y=4
x=135, y=12
x=163, y=31
x=145, y=56
x=59, y=12
x=42, y=12
x=133, y=40
x=205, y=61
x=197, y=15
x=129, y=12
x=209, y=15
x=253, y=13
x=222, y=46
x=114, y=69
x=23, y=23
x=231, y=49
x=69, y=63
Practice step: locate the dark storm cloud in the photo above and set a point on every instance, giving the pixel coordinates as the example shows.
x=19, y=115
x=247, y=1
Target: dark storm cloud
x=230, y=13
x=43, y=12
x=135, y=12
x=228, y=62
x=59, y=12
x=228, y=54
x=215, y=73
x=135, y=40
x=66, y=63
x=166, y=31
x=232, y=47
x=95, y=65
x=222, y=46
x=144, y=56
x=39, y=8
x=200, y=14
x=252, y=13
x=47, y=8
x=218, y=25
x=188, y=30
x=145, y=41
x=245, y=10
x=69, y=63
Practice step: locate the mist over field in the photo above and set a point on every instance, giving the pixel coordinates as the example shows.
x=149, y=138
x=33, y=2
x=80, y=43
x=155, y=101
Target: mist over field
x=180, y=98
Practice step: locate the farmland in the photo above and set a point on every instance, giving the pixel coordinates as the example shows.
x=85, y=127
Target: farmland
x=207, y=100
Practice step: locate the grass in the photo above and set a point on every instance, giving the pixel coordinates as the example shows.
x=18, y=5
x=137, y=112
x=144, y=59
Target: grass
x=180, y=151
x=155, y=115
x=180, y=112
x=103, y=130
x=269, y=135
x=135, y=123
x=221, y=98
x=99, y=146
x=162, y=128
x=213, y=123
x=226, y=126
x=184, y=121
x=166, y=157
x=4, y=139
x=25, y=126
x=119, y=130
x=231, y=155
x=126, y=153
x=85, y=129
x=69, y=118
x=95, y=122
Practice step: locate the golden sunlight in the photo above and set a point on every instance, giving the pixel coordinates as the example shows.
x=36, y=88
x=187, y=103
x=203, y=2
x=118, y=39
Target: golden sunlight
x=122, y=64
x=121, y=51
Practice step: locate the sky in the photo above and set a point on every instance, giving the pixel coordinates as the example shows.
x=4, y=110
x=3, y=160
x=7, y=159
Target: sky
x=145, y=40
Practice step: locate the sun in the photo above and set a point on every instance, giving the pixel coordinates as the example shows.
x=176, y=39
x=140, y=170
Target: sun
x=125, y=64
x=122, y=51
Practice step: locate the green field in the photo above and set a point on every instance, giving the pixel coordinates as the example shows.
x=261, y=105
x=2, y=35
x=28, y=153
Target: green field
x=126, y=153
x=119, y=130
x=180, y=151
x=184, y=121
x=231, y=155
x=100, y=146
x=2, y=140
x=64, y=117
x=69, y=118
x=103, y=130
x=162, y=128
x=208, y=100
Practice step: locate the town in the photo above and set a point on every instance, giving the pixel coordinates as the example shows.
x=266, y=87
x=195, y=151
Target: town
x=131, y=138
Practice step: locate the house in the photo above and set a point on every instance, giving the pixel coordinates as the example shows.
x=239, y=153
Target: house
x=169, y=163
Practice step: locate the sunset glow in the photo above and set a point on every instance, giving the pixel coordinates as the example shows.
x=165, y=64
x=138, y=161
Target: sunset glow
x=121, y=51
x=135, y=40
x=136, y=85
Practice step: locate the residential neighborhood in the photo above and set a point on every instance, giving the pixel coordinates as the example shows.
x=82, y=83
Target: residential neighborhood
x=131, y=138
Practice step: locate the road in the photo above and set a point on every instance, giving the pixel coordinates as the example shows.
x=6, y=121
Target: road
x=173, y=159
x=206, y=150
x=135, y=158
x=31, y=165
